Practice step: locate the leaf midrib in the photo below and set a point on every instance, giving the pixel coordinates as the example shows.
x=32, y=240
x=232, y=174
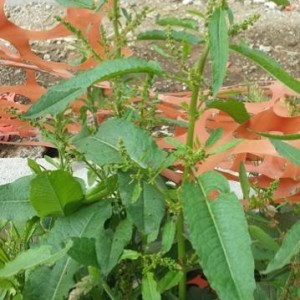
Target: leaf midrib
x=14, y=201
x=110, y=145
x=219, y=236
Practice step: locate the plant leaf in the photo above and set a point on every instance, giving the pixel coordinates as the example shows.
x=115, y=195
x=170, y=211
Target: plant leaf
x=160, y=51
x=218, y=39
x=168, y=235
x=101, y=190
x=59, y=96
x=34, y=166
x=229, y=14
x=281, y=2
x=32, y=258
x=225, y=146
x=233, y=108
x=149, y=287
x=147, y=212
x=219, y=234
x=289, y=248
x=5, y=284
x=214, y=137
x=269, y=65
x=55, y=193
x=264, y=239
x=130, y=254
x=110, y=245
x=88, y=4
x=87, y=222
x=187, y=23
x=179, y=36
x=84, y=251
x=245, y=185
x=168, y=281
x=260, y=293
x=53, y=283
x=195, y=12
x=283, y=137
x=105, y=146
x=14, y=200
x=289, y=152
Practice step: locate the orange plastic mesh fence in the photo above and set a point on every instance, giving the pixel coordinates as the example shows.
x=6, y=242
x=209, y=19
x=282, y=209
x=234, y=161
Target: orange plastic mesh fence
x=20, y=38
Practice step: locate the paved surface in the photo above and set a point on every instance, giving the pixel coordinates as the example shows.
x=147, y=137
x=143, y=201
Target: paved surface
x=14, y=168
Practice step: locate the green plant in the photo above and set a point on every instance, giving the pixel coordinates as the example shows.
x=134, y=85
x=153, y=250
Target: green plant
x=130, y=233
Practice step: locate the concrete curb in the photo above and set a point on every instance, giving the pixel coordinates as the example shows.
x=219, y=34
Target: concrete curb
x=12, y=169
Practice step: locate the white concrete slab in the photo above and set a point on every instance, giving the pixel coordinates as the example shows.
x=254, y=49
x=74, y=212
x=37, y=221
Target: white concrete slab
x=12, y=169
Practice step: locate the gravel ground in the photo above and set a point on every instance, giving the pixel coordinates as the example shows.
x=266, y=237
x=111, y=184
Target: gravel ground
x=276, y=33
x=24, y=2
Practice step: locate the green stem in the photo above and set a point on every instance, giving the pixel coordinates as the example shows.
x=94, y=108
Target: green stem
x=193, y=115
x=108, y=291
x=193, y=111
x=116, y=15
x=94, y=169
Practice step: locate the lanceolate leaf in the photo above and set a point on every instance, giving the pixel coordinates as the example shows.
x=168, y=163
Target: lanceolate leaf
x=264, y=239
x=101, y=190
x=233, y=108
x=289, y=152
x=179, y=36
x=170, y=280
x=225, y=146
x=160, y=51
x=149, y=287
x=168, y=235
x=218, y=39
x=54, y=283
x=59, y=96
x=289, y=248
x=55, y=193
x=87, y=222
x=173, y=21
x=214, y=137
x=31, y=259
x=146, y=212
x=105, y=146
x=89, y=4
x=269, y=65
x=130, y=254
x=84, y=251
x=14, y=200
x=110, y=245
x=282, y=137
x=218, y=232
x=245, y=185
